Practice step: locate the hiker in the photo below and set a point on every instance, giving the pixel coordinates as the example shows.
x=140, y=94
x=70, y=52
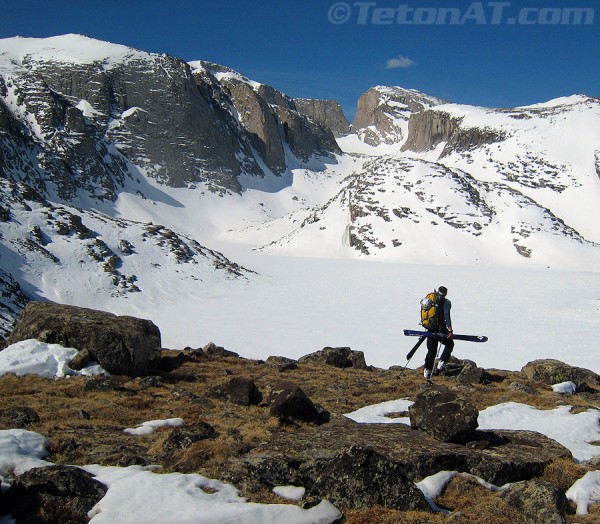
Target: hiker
x=444, y=325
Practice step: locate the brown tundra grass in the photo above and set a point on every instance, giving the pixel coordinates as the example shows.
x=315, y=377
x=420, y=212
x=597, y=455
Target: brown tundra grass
x=86, y=426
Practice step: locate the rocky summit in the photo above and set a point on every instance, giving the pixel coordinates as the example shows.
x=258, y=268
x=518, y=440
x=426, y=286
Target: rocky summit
x=100, y=113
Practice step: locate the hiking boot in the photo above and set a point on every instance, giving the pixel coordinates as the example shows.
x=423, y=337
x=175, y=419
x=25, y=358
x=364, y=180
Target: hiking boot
x=441, y=366
x=427, y=374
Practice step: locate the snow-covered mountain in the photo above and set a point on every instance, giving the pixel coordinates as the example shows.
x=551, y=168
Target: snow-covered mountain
x=77, y=256
x=121, y=170
x=81, y=117
x=468, y=185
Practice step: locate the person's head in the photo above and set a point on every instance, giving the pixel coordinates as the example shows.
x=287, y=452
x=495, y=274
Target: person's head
x=442, y=290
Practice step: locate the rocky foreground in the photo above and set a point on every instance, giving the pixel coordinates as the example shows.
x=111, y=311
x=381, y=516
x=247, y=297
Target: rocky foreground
x=280, y=422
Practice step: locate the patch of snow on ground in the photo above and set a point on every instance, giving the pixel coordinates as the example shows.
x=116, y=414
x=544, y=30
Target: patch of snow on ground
x=48, y=360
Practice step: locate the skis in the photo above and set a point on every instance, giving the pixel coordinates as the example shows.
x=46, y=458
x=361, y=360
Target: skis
x=413, y=350
x=442, y=336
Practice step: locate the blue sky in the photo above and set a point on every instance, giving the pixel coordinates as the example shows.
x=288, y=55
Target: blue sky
x=493, y=53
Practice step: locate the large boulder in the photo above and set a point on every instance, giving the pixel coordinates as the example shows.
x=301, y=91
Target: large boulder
x=550, y=371
x=54, y=494
x=357, y=465
x=368, y=478
x=122, y=345
x=339, y=357
x=443, y=414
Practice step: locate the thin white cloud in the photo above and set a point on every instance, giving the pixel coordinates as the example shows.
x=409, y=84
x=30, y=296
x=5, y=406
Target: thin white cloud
x=399, y=62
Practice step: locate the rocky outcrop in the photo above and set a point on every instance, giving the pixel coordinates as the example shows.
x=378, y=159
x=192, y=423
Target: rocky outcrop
x=443, y=414
x=121, y=345
x=54, y=494
x=12, y=302
x=386, y=455
x=468, y=139
x=551, y=372
x=427, y=129
x=326, y=113
x=383, y=113
x=340, y=357
x=268, y=119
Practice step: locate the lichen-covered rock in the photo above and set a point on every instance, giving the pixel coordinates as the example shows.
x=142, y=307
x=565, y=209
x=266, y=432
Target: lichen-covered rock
x=472, y=374
x=183, y=437
x=517, y=385
x=443, y=414
x=54, y=494
x=362, y=478
x=339, y=357
x=212, y=350
x=539, y=501
x=122, y=345
x=550, y=371
x=363, y=464
x=238, y=390
x=282, y=363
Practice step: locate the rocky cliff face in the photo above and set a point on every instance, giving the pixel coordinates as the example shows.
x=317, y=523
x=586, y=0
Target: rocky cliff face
x=12, y=302
x=327, y=113
x=383, y=113
x=270, y=119
x=73, y=124
x=427, y=129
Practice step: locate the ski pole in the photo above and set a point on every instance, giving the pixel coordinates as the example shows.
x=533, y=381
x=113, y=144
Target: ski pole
x=411, y=353
x=437, y=352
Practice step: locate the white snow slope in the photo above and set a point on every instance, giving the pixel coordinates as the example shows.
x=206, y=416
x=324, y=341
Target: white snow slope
x=344, y=251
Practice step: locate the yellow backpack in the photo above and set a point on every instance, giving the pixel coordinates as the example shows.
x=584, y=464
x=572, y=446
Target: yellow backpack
x=430, y=311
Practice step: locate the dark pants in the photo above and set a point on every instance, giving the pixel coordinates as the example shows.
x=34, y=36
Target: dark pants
x=432, y=345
